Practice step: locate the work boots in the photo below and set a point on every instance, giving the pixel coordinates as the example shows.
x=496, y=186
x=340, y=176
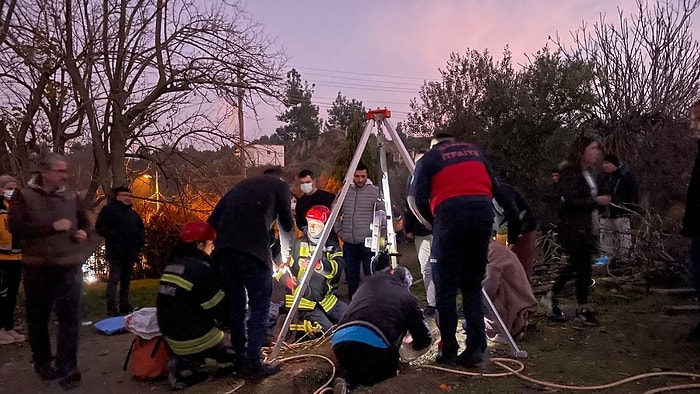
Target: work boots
x=260, y=370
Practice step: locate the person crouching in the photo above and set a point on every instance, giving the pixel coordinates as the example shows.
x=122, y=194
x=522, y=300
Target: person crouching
x=190, y=307
x=319, y=305
x=367, y=340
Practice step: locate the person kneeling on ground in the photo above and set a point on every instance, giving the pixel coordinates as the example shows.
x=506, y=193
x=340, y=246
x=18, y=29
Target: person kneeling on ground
x=189, y=307
x=370, y=332
x=509, y=289
x=319, y=305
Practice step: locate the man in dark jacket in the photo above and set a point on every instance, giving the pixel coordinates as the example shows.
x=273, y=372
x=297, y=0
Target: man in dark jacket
x=422, y=239
x=452, y=188
x=312, y=196
x=123, y=231
x=550, y=221
x=620, y=184
x=691, y=220
x=513, y=212
x=242, y=219
x=370, y=332
x=52, y=226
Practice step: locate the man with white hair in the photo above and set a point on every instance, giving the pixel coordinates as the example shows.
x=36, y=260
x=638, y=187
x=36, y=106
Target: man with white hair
x=45, y=213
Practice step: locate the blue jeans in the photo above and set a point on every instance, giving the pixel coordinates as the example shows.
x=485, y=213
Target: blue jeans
x=459, y=254
x=694, y=264
x=242, y=273
x=354, y=255
x=60, y=286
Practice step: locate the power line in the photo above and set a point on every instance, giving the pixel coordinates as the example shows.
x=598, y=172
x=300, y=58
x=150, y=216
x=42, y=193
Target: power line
x=368, y=74
x=362, y=79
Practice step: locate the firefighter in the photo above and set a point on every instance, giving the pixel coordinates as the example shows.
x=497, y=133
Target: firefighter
x=451, y=191
x=319, y=306
x=190, y=308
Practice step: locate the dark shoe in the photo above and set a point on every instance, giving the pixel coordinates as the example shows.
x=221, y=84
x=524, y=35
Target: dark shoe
x=261, y=370
x=557, y=315
x=126, y=309
x=694, y=335
x=446, y=359
x=586, y=316
x=71, y=381
x=46, y=371
x=429, y=311
x=469, y=359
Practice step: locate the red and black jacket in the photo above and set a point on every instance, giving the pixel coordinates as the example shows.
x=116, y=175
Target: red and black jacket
x=449, y=170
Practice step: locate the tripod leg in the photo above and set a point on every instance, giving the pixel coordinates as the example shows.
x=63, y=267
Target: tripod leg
x=517, y=352
x=304, y=283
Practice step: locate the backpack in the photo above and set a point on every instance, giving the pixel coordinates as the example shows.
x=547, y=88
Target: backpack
x=149, y=358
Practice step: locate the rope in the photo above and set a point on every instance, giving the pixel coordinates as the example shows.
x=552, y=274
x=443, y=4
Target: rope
x=517, y=371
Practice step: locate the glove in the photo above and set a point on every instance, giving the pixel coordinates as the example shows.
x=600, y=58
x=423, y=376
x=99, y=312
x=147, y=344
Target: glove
x=286, y=277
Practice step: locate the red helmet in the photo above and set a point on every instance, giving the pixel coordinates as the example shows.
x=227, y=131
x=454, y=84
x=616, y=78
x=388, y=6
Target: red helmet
x=318, y=212
x=197, y=231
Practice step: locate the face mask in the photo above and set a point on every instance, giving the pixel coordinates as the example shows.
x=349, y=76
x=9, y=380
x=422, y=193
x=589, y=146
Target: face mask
x=307, y=187
x=8, y=193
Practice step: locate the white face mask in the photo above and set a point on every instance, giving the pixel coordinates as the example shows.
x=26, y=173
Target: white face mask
x=8, y=193
x=307, y=187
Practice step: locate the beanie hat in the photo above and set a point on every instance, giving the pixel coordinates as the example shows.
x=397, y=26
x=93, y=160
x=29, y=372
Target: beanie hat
x=612, y=159
x=5, y=179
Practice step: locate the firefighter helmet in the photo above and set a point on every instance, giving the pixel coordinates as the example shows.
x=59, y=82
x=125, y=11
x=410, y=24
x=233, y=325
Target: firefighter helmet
x=197, y=231
x=319, y=212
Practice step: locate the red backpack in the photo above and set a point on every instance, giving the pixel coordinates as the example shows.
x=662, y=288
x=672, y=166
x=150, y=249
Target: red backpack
x=149, y=358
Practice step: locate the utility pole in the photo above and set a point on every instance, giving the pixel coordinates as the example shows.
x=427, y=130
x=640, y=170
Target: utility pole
x=241, y=135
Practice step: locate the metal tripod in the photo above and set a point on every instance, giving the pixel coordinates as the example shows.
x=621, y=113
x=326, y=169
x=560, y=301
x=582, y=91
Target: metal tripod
x=378, y=119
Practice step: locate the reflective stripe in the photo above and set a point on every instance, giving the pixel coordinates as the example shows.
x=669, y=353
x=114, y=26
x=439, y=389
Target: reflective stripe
x=192, y=346
x=305, y=303
x=213, y=301
x=328, y=302
x=177, y=281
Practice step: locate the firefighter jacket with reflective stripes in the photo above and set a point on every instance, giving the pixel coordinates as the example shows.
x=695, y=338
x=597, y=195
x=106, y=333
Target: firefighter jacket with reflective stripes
x=320, y=289
x=189, y=304
x=9, y=247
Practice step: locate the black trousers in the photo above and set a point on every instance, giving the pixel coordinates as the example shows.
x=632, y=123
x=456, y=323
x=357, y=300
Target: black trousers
x=120, y=270
x=48, y=286
x=10, y=276
x=579, y=245
x=365, y=365
x=460, y=247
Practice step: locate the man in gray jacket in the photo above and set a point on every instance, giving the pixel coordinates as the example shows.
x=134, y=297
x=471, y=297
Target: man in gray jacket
x=353, y=226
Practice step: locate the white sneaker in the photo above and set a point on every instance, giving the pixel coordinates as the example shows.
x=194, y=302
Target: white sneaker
x=5, y=338
x=17, y=336
x=546, y=302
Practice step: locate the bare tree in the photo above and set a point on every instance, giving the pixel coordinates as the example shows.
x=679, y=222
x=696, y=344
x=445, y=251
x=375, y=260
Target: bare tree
x=144, y=76
x=646, y=74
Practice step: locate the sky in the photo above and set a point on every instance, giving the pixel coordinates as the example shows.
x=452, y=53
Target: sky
x=381, y=52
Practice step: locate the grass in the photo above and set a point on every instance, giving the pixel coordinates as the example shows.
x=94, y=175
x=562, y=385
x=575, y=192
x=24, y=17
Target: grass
x=142, y=293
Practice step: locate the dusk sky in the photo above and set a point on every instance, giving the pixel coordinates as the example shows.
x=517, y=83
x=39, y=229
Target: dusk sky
x=380, y=52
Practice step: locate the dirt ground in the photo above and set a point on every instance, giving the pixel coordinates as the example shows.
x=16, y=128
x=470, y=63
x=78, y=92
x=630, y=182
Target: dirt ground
x=635, y=336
